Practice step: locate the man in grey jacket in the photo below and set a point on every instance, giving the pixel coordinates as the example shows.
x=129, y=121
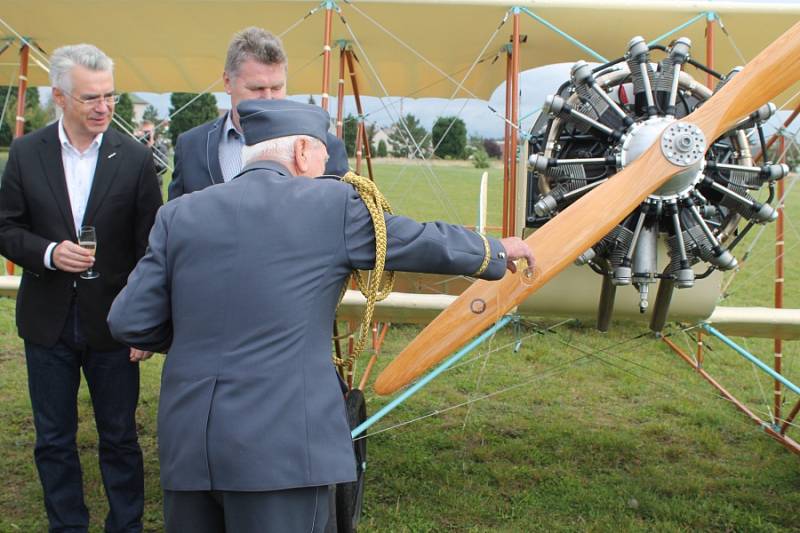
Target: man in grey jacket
x=256, y=66
x=240, y=283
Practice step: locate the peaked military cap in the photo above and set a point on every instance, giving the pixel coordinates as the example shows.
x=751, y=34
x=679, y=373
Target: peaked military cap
x=262, y=120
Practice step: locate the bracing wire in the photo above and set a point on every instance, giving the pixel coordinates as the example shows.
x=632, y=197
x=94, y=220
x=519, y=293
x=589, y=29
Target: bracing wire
x=754, y=274
x=413, y=50
x=479, y=379
x=758, y=381
x=552, y=371
x=7, y=98
x=300, y=21
x=663, y=381
x=418, y=150
x=445, y=75
x=781, y=202
x=731, y=40
x=767, y=414
x=669, y=382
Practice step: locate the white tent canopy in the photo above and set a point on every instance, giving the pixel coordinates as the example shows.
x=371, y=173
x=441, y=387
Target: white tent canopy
x=404, y=48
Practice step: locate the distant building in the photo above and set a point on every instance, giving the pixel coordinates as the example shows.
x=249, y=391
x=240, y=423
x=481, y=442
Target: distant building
x=139, y=105
x=381, y=134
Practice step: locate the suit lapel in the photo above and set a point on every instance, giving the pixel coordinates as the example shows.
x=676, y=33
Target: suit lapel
x=212, y=151
x=53, y=166
x=108, y=161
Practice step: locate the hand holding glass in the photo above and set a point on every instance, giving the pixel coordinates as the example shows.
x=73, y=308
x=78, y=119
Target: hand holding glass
x=88, y=239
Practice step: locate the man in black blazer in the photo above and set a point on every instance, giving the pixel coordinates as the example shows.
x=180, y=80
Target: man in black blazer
x=255, y=68
x=76, y=173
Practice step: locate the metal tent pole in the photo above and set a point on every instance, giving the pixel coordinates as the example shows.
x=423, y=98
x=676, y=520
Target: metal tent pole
x=710, y=19
x=507, y=154
x=326, y=54
x=19, y=128
x=340, y=94
x=357, y=95
x=512, y=210
x=779, y=279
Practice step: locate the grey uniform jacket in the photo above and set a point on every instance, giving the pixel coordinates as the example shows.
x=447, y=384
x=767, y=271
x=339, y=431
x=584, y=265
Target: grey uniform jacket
x=240, y=282
x=197, y=158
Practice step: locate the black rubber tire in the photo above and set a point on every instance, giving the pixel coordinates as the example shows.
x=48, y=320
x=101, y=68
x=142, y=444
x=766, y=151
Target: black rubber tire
x=350, y=496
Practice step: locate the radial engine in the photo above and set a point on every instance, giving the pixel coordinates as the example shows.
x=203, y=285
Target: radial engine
x=600, y=121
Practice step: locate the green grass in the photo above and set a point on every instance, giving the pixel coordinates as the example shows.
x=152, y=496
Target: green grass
x=585, y=431
x=440, y=192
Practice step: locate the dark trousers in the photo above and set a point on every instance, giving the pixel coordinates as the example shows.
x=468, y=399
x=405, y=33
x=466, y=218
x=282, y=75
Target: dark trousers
x=53, y=380
x=303, y=510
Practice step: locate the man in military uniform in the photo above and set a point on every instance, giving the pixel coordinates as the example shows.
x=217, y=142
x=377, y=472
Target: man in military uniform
x=240, y=283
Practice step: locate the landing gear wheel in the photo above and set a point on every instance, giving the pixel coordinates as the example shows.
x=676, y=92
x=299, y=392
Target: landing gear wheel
x=350, y=496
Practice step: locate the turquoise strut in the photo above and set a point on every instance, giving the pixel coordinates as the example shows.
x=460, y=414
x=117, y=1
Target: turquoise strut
x=753, y=359
x=564, y=34
x=682, y=26
x=386, y=409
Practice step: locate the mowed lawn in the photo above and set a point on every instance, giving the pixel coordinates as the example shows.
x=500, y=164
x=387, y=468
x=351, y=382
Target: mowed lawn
x=574, y=431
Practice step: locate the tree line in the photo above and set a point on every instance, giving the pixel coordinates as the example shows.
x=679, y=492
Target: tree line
x=38, y=115
x=448, y=138
x=407, y=137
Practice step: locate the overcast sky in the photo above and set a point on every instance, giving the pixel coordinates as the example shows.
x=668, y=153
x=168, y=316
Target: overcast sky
x=483, y=118
x=477, y=114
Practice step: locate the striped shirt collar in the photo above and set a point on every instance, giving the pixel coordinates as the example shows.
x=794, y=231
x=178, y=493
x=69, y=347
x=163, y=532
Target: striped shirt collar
x=230, y=128
x=230, y=150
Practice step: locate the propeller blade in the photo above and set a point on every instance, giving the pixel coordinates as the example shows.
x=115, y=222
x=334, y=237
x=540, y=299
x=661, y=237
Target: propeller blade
x=586, y=221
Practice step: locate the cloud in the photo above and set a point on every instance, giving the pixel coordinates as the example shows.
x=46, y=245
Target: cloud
x=483, y=118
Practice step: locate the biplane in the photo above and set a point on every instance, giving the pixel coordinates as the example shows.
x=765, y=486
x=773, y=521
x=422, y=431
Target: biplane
x=647, y=167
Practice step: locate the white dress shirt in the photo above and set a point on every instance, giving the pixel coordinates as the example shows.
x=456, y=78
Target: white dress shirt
x=79, y=170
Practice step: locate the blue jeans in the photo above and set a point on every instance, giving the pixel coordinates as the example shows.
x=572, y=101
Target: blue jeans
x=53, y=380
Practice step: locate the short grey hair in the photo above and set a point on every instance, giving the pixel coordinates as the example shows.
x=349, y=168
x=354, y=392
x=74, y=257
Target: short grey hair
x=63, y=59
x=255, y=43
x=280, y=149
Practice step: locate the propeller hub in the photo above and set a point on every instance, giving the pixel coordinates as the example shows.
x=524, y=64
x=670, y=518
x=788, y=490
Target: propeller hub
x=684, y=143
x=641, y=136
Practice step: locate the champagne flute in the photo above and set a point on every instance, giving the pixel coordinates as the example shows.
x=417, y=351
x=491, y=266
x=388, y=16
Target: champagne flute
x=88, y=239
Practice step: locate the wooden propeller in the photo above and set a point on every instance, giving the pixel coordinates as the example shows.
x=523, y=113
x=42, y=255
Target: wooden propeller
x=589, y=219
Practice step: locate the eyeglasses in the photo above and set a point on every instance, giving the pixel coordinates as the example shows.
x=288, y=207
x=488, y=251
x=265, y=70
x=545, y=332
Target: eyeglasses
x=94, y=99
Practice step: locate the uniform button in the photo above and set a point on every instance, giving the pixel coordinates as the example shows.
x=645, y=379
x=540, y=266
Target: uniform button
x=501, y=255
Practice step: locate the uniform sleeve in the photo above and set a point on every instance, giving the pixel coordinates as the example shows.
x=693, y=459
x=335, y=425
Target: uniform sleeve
x=17, y=242
x=176, y=185
x=433, y=247
x=141, y=315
